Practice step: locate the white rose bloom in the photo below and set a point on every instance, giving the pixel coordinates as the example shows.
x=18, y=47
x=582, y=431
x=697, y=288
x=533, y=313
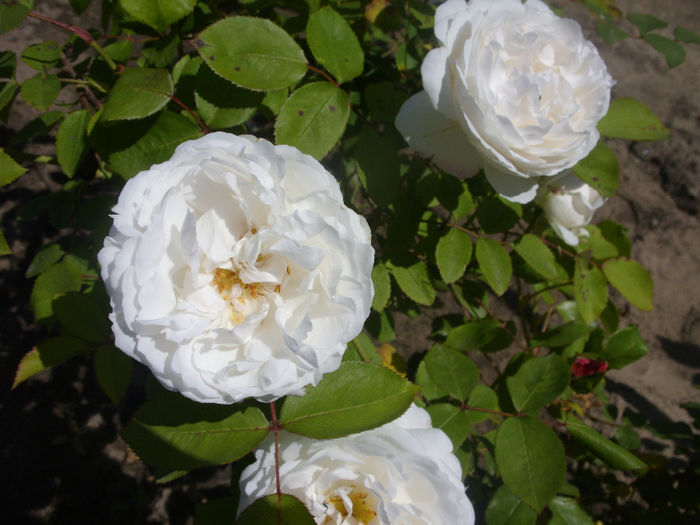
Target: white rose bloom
x=398, y=474
x=516, y=82
x=235, y=270
x=569, y=205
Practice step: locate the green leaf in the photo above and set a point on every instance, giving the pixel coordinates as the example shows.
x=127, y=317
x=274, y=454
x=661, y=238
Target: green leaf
x=37, y=127
x=9, y=169
x=497, y=215
x=614, y=455
x=133, y=147
x=138, y=93
x=79, y=5
x=632, y=281
x=681, y=34
x=672, y=51
x=428, y=388
x=412, y=277
x=356, y=397
x=609, y=33
x=569, y=512
x=12, y=15
x=81, y=316
x=452, y=371
x=537, y=255
x=629, y=119
x=531, y=460
x=608, y=239
x=494, y=262
x=42, y=56
x=452, y=253
x=222, y=104
x=599, y=170
x=4, y=247
x=624, y=347
x=173, y=432
x=382, y=286
x=313, y=118
x=41, y=90
x=628, y=438
x=481, y=397
x=71, y=141
x=66, y=276
x=157, y=14
x=378, y=166
x=505, y=508
x=451, y=420
x=48, y=353
x=113, y=369
x=590, y=290
x=274, y=510
x=473, y=334
x=646, y=22
x=384, y=99
x=562, y=335
x=334, y=44
x=539, y=381
x=8, y=90
x=261, y=56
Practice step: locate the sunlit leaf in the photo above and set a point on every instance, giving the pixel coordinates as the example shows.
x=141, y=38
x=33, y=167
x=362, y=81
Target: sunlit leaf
x=629, y=119
x=48, y=353
x=138, y=93
x=157, y=13
x=632, y=280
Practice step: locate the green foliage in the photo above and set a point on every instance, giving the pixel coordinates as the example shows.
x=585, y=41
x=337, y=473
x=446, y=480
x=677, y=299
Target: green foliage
x=356, y=397
x=48, y=353
x=629, y=119
x=494, y=262
x=531, y=460
x=453, y=252
x=71, y=141
x=313, y=118
x=505, y=508
x=631, y=280
x=113, y=370
x=334, y=44
x=672, y=51
x=9, y=169
x=262, y=56
x=173, y=432
x=41, y=90
x=157, y=14
x=600, y=170
x=452, y=371
x=137, y=94
x=538, y=382
x=42, y=56
x=274, y=510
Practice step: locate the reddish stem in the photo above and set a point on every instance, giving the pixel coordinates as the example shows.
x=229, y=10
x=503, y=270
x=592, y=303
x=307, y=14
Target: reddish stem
x=202, y=125
x=276, y=429
x=78, y=31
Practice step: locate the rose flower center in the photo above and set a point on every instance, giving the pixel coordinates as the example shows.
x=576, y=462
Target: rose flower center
x=363, y=509
x=243, y=298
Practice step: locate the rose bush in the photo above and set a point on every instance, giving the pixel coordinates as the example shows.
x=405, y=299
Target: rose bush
x=401, y=473
x=513, y=81
x=569, y=205
x=234, y=270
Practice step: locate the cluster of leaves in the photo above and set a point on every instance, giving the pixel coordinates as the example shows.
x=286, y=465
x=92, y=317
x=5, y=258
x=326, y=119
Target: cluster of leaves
x=330, y=80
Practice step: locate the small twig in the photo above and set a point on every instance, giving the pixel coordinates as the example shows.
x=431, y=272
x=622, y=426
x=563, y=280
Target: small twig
x=202, y=125
x=85, y=93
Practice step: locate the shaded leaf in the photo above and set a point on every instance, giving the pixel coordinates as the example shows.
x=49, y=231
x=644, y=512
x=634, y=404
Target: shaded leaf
x=590, y=290
x=672, y=51
x=494, y=262
x=12, y=15
x=222, y=104
x=66, y=276
x=71, y=141
x=624, y=347
x=569, y=512
x=9, y=169
x=562, y=335
x=451, y=420
x=452, y=371
x=378, y=166
x=82, y=316
x=609, y=33
x=48, y=353
x=452, y=253
x=412, y=277
x=531, y=460
x=274, y=510
x=382, y=286
x=539, y=381
x=646, y=22
x=113, y=369
x=42, y=56
x=497, y=214
x=614, y=455
x=41, y=90
x=171, y=431
x=537, y=255
x=681, y=34
x=505, y=508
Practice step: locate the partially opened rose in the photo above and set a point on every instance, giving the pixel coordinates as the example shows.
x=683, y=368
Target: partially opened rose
x=398, y=474
x=513, y=81
x=569, y=205
x=235, y=270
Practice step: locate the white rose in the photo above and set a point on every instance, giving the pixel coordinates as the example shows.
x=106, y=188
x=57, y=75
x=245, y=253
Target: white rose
x=569, y=204
x=515, y=81
x=235, y=270
x=398, y=474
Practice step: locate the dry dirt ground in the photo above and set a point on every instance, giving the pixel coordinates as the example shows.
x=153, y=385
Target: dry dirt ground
x=60, y=460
